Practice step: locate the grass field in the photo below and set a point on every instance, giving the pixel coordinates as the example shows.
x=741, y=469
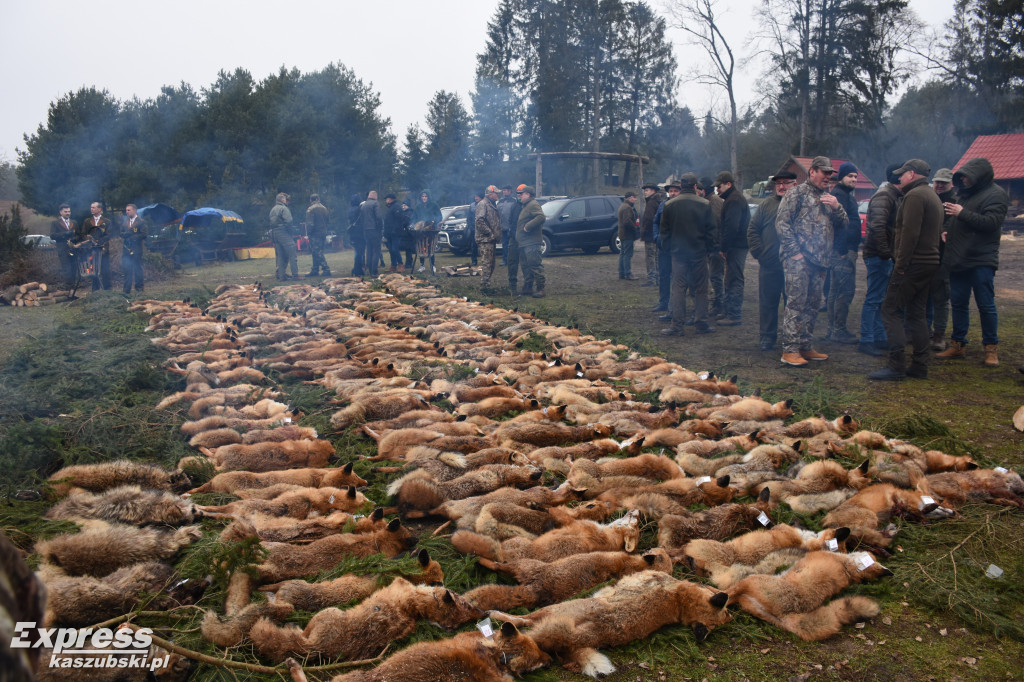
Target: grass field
x=79, y=381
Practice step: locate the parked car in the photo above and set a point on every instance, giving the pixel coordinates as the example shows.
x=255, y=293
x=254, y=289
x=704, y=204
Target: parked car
x=586, y=223
x=455, y=230
x=40, y=241
x=862, y=209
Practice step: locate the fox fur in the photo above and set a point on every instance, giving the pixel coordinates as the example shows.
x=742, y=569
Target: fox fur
x=412, y=419
x=365, y=630
x=99, y=477
x=543, y=434
x=419, y=491
x=467, y=656
x=594, y=449
x=215, y=438
x=815, y=425
x=574, y=538
x=876, y=504
x=978, y=485
x=286, y=561
x=498, y=406
x=284, y=432
x=100, y=549
x=795, y=600
x=376, y=406
x=298, y=503
x=754, y=409
x=191, y=428
x=231, y=481
x=231, y=631
x=263, y=457
x=465, y=512
x=502, y=520
x=541, y=583
x=682, y=491
x=717, y=523
x=285, y=529
x=819, y=477
x=126, y=504
x=635, y=607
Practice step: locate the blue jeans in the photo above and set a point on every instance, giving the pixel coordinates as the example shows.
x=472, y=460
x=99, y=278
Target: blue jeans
x=980, y=280
x=626, y=258
x=878, y=273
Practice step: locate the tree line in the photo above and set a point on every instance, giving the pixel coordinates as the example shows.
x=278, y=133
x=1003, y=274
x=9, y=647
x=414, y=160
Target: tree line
x=554, y=75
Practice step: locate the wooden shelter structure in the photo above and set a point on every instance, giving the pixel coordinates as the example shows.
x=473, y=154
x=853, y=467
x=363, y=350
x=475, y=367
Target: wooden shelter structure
x=594, y=156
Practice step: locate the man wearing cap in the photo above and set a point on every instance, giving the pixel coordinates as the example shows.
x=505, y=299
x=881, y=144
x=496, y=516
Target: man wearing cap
x=878, y=261
x=807, y=218
x=506, y=204
x=672, y=188
x=316, y=223
x=281, y=227
x=688, y=233
x=529, y=237
x=938, y=292
x=627, y=235
x=514, y=261
x=488, y=232
x=372, y=224
x=843, y=280
x=652, y=199
x=716, y=263
x=972, y=253
x=764, y=246
x=915, y=260
x=733, y=245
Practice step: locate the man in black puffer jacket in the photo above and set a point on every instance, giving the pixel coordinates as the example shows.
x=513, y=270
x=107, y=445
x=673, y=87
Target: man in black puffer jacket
x=844, y=259
x=972, y=255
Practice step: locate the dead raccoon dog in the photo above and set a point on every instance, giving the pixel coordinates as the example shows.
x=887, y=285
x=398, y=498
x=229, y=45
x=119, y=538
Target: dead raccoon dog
x=795, y=600
x=715, y=559
x=364, y=631
x=467, y=656
x=126, y=504
x=635, y=607
x=99, y=477
x=101, y=549
x=262, y=457
x=575, y=538
x=84, y=600
x=291, y=561
x=541, y=583
x=230, y=481
x=297, y=503
x=313, y=597
x=418, y=491
x=717, y=523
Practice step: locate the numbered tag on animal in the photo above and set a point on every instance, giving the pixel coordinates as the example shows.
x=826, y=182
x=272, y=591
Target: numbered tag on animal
x=705, y=479
x=331, y=501
x=485, y=629
x=1002, y=470
x=864, y=562
x=762, y=518
x=927, y=500
x=287, y=420
x=833, y=545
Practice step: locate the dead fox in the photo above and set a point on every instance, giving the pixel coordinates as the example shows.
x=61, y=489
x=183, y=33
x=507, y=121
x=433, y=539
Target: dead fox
x=819, y=477
x=594, y=449
x=364, y=631
x=542, y=434
x=501, y=520
x=313, y=597
x=101, y=549
x=541, y=583
x=498, y=406
x=632, y=609
x=286, y=561
x=230, y=631
x=675, y=530
x=126, y=504
x=877, y=503
x=815, y=425
x=297, y=503
x=99, y=477
x=418, y=491
x=795, y=600
x=215, y=438
x=283, y=432
x=286, y=529
x=467, y=656
x=262, y=457
x=377, y=406
x=575, y=538
x=465, y=512
x=683, y=492
x=978, y=485
x=231, y=481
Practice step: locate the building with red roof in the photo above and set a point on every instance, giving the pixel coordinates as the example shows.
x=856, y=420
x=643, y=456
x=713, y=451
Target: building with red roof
x=1006, y=154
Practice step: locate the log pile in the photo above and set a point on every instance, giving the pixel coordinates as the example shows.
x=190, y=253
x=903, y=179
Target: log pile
x=33, y=294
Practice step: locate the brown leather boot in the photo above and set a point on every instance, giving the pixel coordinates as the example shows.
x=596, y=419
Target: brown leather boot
x=991, y=356
x=793, y=359
x=956, y=350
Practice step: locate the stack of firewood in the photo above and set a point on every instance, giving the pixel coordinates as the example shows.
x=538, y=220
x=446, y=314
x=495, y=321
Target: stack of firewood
x=33, y=294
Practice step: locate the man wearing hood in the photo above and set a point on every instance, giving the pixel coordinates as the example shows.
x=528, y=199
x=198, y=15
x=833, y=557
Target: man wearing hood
x=972, y=254
x=878, y=262
x=764, y=246
x=281, y=227
x=844, y=258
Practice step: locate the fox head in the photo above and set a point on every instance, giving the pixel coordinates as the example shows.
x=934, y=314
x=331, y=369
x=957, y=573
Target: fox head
x=702, y=608
x=448, y=609
x=518, y=652
x=629, y=527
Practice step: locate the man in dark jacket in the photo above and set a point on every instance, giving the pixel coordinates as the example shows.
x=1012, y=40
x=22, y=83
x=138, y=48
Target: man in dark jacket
x=844, y=258
x=63, y=231
x=356, y=237
x=529, y=238
x=716, y=264
x=627, y=236
x=972, y=254
x=672, y=188
x=506, y=205
x=317, y=219
x=878, y=261
x=134, y=235
x=372, y=224
x=652, y=199
x=764, y=246
x=733, y=245
x=282, y=232
x=393, y=231
x=688, y=233
x=98, y=230
x=512, y=247
x=915, y=259
x=938, y=294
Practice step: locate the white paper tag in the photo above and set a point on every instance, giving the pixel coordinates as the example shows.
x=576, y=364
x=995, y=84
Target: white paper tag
x=1002, y=470
x=993, y=571
x=579, y=374
x=476, y=370
x=703, y=376
x=927, y=500
x=331, y=501
x=287, y=420
x=484, y=627
x=705, y=479
x=762, y=518
x=864, y=562
x=661, y=453
x=358, y=516
x=833, y=545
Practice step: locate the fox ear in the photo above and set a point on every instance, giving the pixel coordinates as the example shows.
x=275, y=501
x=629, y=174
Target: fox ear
x=448, y=598
x=348, y=469
x=847, y=419
x=424, y=558
x=842, y=533
x=375, y=361
x=734, y=378
x=757, y=392
x=700, y=632
x=971, y=466
x=352, y=492
x=649, y=558
x=719, y=600
x=535, y=476
x=377, y=514
x=864, y=466
x=508, y=630
x=394, y=525
x=765, y=495
x=789, y=403
x=797, y=445
x=723, y=481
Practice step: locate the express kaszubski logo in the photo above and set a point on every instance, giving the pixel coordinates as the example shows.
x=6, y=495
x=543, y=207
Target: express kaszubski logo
x=90, y=647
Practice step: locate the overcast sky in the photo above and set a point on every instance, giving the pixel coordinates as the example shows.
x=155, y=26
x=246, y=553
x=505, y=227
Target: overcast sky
x=407, y=49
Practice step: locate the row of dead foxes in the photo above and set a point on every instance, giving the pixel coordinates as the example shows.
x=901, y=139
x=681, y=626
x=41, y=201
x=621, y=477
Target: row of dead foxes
x=520, y=416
